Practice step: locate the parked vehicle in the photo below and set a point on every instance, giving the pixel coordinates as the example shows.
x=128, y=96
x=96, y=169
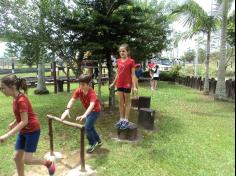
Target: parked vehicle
x=164, y=64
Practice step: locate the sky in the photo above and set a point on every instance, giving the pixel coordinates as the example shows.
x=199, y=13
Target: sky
x=177, y=26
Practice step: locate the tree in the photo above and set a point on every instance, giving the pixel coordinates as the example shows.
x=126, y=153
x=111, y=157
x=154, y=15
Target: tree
x=104, y=25
x=23, y=23
x=220, y=93
x=231, y=29
x=189, y=55
x=201, y=55
x=196, y=18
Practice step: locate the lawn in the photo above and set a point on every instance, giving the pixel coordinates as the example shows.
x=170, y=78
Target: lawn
x=194, y=135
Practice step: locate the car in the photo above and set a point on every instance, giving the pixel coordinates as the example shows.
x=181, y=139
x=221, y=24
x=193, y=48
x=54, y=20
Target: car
x=164, y=64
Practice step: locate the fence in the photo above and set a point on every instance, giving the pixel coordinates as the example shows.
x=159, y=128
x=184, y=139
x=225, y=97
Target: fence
x=74, y=125
x=198, y=83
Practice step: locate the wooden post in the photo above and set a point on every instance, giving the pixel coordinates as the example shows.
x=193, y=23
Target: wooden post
x=68, y=79
x=144, y=102
x=51, y=136
x=146, y=118
x=82, y=151
x=55, y=77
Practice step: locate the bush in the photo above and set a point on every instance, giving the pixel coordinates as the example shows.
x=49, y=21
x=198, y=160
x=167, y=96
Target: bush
x=175, y=70
x=167, y=76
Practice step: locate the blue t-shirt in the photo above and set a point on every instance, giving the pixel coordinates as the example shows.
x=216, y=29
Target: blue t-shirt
x=138, y=73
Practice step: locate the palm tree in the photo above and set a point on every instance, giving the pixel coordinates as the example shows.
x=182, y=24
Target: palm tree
x=220, y=93
x=196, y=18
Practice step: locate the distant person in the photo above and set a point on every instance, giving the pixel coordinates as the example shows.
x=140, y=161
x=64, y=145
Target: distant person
x=155, y=78
x=26, y=125
x=125, y=82
x=151, y=72
x=138, y=73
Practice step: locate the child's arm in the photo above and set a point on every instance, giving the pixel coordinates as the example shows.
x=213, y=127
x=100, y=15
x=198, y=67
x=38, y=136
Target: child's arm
x=17, y=128
x=87, y=112
x=150, y=73
x=133, y=80
x=68, y=107
x=116, y=77
x=12, y=125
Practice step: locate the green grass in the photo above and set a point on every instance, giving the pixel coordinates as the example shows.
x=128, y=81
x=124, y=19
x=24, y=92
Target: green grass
x=194, y=136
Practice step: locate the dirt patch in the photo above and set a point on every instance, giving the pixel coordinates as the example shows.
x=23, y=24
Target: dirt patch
x=68, y=163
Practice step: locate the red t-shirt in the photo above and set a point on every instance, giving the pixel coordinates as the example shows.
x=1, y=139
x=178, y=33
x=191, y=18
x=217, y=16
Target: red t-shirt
x=86, y=99
x=22, y=104
x=124, y=71
x=151, y=65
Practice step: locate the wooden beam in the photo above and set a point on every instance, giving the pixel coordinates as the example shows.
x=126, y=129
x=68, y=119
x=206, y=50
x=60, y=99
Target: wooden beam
x=75, y=125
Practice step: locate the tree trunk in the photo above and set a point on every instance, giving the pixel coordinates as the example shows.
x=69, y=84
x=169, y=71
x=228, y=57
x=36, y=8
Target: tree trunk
x=41, y=86
x=206, y=83
x=100, y=79
x=221, y=87
x=111, y=78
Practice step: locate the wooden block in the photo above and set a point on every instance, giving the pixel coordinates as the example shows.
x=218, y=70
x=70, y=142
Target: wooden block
x=130, y=133
x=146, y=118
x=144, y=102
x=134, y=102
x=60, y=85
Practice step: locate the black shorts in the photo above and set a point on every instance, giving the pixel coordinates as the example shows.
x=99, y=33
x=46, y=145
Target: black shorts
x=125, y=90
x=155, y=78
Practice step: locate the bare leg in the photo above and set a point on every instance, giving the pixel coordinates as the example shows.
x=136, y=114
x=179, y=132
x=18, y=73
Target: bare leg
x=155, y=84
x=127, y=105
x=19, y=160
x=121, y=104
x=30, y=160
x=136, y=87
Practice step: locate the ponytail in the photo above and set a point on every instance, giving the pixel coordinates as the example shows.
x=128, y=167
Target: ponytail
x=21, y=85
x=13, y=80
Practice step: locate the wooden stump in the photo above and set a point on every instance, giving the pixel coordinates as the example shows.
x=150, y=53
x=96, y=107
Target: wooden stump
x=130, y=133
x=146, y=118
x=60, y=85
x=144, y=102
x=135, y=102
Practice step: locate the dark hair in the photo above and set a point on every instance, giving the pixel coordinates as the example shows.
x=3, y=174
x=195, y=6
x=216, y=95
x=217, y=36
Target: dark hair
x=126, y=46
x=13, y=80
x=85, y=78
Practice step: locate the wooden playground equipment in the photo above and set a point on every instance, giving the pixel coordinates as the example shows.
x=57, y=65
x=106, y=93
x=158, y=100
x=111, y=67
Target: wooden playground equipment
x=73, y=125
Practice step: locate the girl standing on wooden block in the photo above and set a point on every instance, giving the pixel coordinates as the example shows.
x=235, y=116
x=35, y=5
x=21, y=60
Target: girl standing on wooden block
x=124, y=81
x=26, y=125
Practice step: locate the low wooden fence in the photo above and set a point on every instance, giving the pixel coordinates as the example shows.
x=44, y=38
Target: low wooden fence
x=198, y=83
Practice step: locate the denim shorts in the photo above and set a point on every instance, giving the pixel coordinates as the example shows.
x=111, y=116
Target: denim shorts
x=27, y=141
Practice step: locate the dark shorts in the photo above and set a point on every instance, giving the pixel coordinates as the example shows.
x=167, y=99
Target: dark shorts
x=27, y=141
x=125, y=90
x=155, y=78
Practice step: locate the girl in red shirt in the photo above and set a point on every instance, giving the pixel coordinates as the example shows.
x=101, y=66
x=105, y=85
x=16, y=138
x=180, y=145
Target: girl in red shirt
x=124, y=81
x=26, y=125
